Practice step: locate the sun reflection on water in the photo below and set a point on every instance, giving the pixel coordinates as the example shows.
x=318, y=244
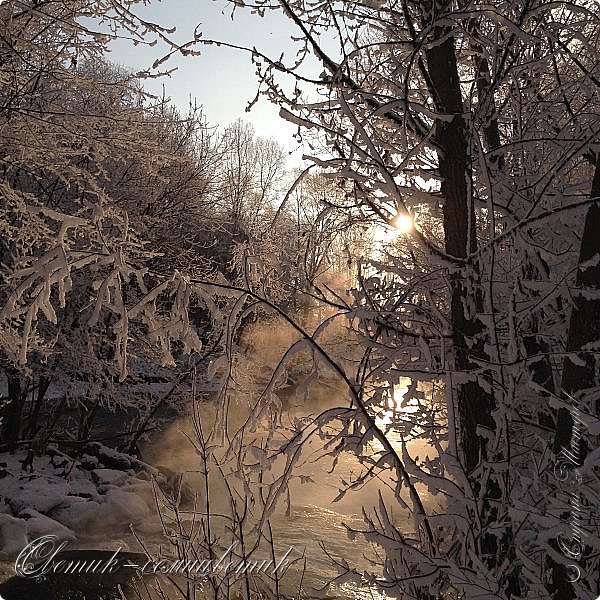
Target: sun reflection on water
x=395, y=406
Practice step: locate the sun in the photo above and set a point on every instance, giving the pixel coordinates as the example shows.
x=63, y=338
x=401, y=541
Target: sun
x=389, y=232
x=403, y=223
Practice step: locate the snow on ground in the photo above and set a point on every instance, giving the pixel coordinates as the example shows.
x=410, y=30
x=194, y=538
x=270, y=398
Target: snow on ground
x=100, y=495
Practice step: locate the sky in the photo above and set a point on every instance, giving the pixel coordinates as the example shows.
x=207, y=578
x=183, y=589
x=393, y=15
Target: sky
x=222, y=80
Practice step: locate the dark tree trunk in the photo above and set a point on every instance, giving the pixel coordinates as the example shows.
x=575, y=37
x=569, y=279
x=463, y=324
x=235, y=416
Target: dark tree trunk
x=578, y=379
x=584, y=326
x=474, y=404
x=11, y=427
x=32, y=425
x=485, y=96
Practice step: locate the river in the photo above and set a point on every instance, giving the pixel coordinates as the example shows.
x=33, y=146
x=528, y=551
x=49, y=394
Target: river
x=307, y=520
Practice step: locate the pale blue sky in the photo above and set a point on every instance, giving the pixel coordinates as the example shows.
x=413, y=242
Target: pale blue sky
x=221, y=79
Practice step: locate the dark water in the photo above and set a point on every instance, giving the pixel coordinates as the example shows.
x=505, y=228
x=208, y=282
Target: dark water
x=76, y=586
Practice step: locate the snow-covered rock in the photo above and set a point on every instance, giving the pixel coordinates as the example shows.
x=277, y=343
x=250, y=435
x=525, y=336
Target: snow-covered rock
x=74, y=501
x=109, y=476
x=109, y=457
x=173, y=484
x=39, y=525
x=114, y=511
x=13, y=536
x=77, y=513
x=143, y=489
x=124, y=508
x=32, y=491
x=89, y=462
x=84, y=488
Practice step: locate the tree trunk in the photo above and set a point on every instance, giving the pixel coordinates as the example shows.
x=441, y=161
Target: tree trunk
x=32, y=425
x=578, y=379
x=584, y=326
x=474, y=404
x=485, y=97
x=11, y=426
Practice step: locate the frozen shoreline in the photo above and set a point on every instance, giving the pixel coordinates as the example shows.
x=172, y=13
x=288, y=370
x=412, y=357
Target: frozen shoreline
x=93, y=502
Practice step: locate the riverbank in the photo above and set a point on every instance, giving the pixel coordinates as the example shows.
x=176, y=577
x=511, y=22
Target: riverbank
x=79, y=500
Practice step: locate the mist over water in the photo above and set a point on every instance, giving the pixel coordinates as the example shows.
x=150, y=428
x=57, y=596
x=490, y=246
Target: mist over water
x=306, y=518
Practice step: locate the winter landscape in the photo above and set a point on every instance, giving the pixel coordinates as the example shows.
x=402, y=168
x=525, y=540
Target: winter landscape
x=299, y=299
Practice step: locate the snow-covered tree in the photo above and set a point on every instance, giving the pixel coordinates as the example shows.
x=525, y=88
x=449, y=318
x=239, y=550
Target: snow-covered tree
x=78, y=138
x=250, y=171
x=483, y=118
